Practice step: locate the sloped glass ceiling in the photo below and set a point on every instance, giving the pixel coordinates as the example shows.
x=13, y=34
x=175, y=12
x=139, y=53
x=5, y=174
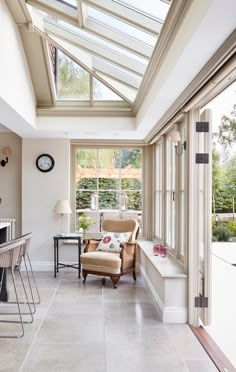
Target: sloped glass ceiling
x=102, y=47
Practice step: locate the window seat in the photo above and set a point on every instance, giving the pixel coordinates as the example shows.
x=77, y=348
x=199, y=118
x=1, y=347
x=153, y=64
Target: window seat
x=167, y=282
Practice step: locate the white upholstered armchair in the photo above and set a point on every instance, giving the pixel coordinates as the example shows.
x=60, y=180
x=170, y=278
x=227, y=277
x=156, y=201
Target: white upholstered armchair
x=114, y=254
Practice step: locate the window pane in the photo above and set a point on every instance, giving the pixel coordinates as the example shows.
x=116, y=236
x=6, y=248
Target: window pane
x=120, y=26
x=69, y=2
x=108, y=199
x=134, y=200
x=72, y=80
x=83, y=199
x=108, y=169
x=99, y=176
x=86, y=177
x=154, y=8
x=102, y=93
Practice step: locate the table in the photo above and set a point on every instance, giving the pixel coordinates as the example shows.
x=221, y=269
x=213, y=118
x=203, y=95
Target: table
x=3, y=238
x=57, y=264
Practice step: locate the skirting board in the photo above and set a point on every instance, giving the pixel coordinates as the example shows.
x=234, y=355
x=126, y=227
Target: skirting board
x=167, y=314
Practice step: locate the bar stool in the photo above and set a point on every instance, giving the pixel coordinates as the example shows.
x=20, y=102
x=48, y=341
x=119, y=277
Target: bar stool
x=9, y=259
x=24, y=254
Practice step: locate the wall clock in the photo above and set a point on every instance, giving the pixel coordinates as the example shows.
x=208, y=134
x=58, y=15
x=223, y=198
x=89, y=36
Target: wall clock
x=45, y=162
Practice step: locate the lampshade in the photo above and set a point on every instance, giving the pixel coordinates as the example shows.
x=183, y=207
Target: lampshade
x=62, y=207
x=7, y=151
x=176, y=136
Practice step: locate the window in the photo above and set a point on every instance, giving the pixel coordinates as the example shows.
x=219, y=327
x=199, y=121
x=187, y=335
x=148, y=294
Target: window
x=170, y=191
x=108, y=179
x=159, y=192
x=182, y=196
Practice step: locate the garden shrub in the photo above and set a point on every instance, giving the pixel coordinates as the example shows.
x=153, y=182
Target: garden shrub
x=222, y=233
x=231, y=226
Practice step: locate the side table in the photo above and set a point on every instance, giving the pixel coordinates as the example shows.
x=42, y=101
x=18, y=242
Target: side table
x=58, y=265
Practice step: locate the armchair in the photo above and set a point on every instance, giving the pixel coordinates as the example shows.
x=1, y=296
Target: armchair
x=107, y=263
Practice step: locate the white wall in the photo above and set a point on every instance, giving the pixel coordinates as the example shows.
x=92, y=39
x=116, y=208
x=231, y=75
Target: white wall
x=40, y=192
x=10, y=180
x=16, y=88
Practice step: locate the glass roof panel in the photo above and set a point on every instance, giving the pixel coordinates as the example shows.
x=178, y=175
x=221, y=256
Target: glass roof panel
x=69, y=2
x=102, y=93
x=72, y=81
x=118, y=51
x=121, y=27
x=99, y=41
x=155, y=9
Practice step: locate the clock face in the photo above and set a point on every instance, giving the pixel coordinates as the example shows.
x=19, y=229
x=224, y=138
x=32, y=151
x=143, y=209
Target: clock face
x=45, y=162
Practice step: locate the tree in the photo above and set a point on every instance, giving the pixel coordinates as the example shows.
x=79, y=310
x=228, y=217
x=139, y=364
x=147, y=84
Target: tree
x=72, y=80
x=130, y=156
x=227, y=129
x=230, y=184
x=216, y=180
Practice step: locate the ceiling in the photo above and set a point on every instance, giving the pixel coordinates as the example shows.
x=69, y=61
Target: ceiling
x=117, y=61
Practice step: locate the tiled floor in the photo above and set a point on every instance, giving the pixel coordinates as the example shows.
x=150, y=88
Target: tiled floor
x=94, y=328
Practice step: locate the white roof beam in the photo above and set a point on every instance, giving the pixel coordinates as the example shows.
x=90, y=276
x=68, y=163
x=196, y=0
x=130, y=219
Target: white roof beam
x=118, y=75
x=80, y=14
x=119, y=38
x=128, y=15
x=96, y=49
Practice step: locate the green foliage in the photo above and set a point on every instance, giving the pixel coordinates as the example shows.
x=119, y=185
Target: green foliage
x=131, y=156
x=231, y=226
x=222, y=233
x=227, y=130
x=85, y=222
x=108, y=195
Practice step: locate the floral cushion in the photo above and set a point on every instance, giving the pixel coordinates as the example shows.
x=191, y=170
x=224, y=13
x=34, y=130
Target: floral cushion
x=111, y=241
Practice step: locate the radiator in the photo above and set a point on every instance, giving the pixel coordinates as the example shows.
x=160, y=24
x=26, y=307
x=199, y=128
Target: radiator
x=11, y=229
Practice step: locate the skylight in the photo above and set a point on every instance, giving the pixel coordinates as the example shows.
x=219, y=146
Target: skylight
x=104, y=46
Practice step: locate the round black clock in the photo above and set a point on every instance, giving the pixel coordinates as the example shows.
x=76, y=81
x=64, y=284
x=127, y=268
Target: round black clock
x=45, y=162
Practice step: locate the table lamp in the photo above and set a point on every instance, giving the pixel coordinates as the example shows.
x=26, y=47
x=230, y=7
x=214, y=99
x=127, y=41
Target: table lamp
x=62, y=207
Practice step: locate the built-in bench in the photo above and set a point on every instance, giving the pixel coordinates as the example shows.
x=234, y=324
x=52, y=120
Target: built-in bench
x=167, y=282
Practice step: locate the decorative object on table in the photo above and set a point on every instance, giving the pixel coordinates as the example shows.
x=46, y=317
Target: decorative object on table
x=45, y=163
x=62, y=207
x=85, y=222
x=7, y=153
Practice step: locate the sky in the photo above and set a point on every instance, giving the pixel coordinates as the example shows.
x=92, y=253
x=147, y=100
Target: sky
x=222, y=105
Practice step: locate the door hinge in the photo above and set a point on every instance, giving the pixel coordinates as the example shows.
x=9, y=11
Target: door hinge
x=202, y=126
x=202, y=158
x=201, y=301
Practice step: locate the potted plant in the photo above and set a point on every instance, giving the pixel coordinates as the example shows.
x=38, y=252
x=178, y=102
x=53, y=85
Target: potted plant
x=85, y=222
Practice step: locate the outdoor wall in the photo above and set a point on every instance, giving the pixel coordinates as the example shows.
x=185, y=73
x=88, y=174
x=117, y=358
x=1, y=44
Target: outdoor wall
x=40, y=191
x=10, y=179
x=16, y=90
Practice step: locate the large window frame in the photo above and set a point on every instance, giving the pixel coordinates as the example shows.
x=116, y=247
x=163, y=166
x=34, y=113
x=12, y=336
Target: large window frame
x=171, y=192
x=119, y=187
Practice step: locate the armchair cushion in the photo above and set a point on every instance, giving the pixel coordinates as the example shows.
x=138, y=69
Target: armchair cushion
x=111, y=241
x=101, y=262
